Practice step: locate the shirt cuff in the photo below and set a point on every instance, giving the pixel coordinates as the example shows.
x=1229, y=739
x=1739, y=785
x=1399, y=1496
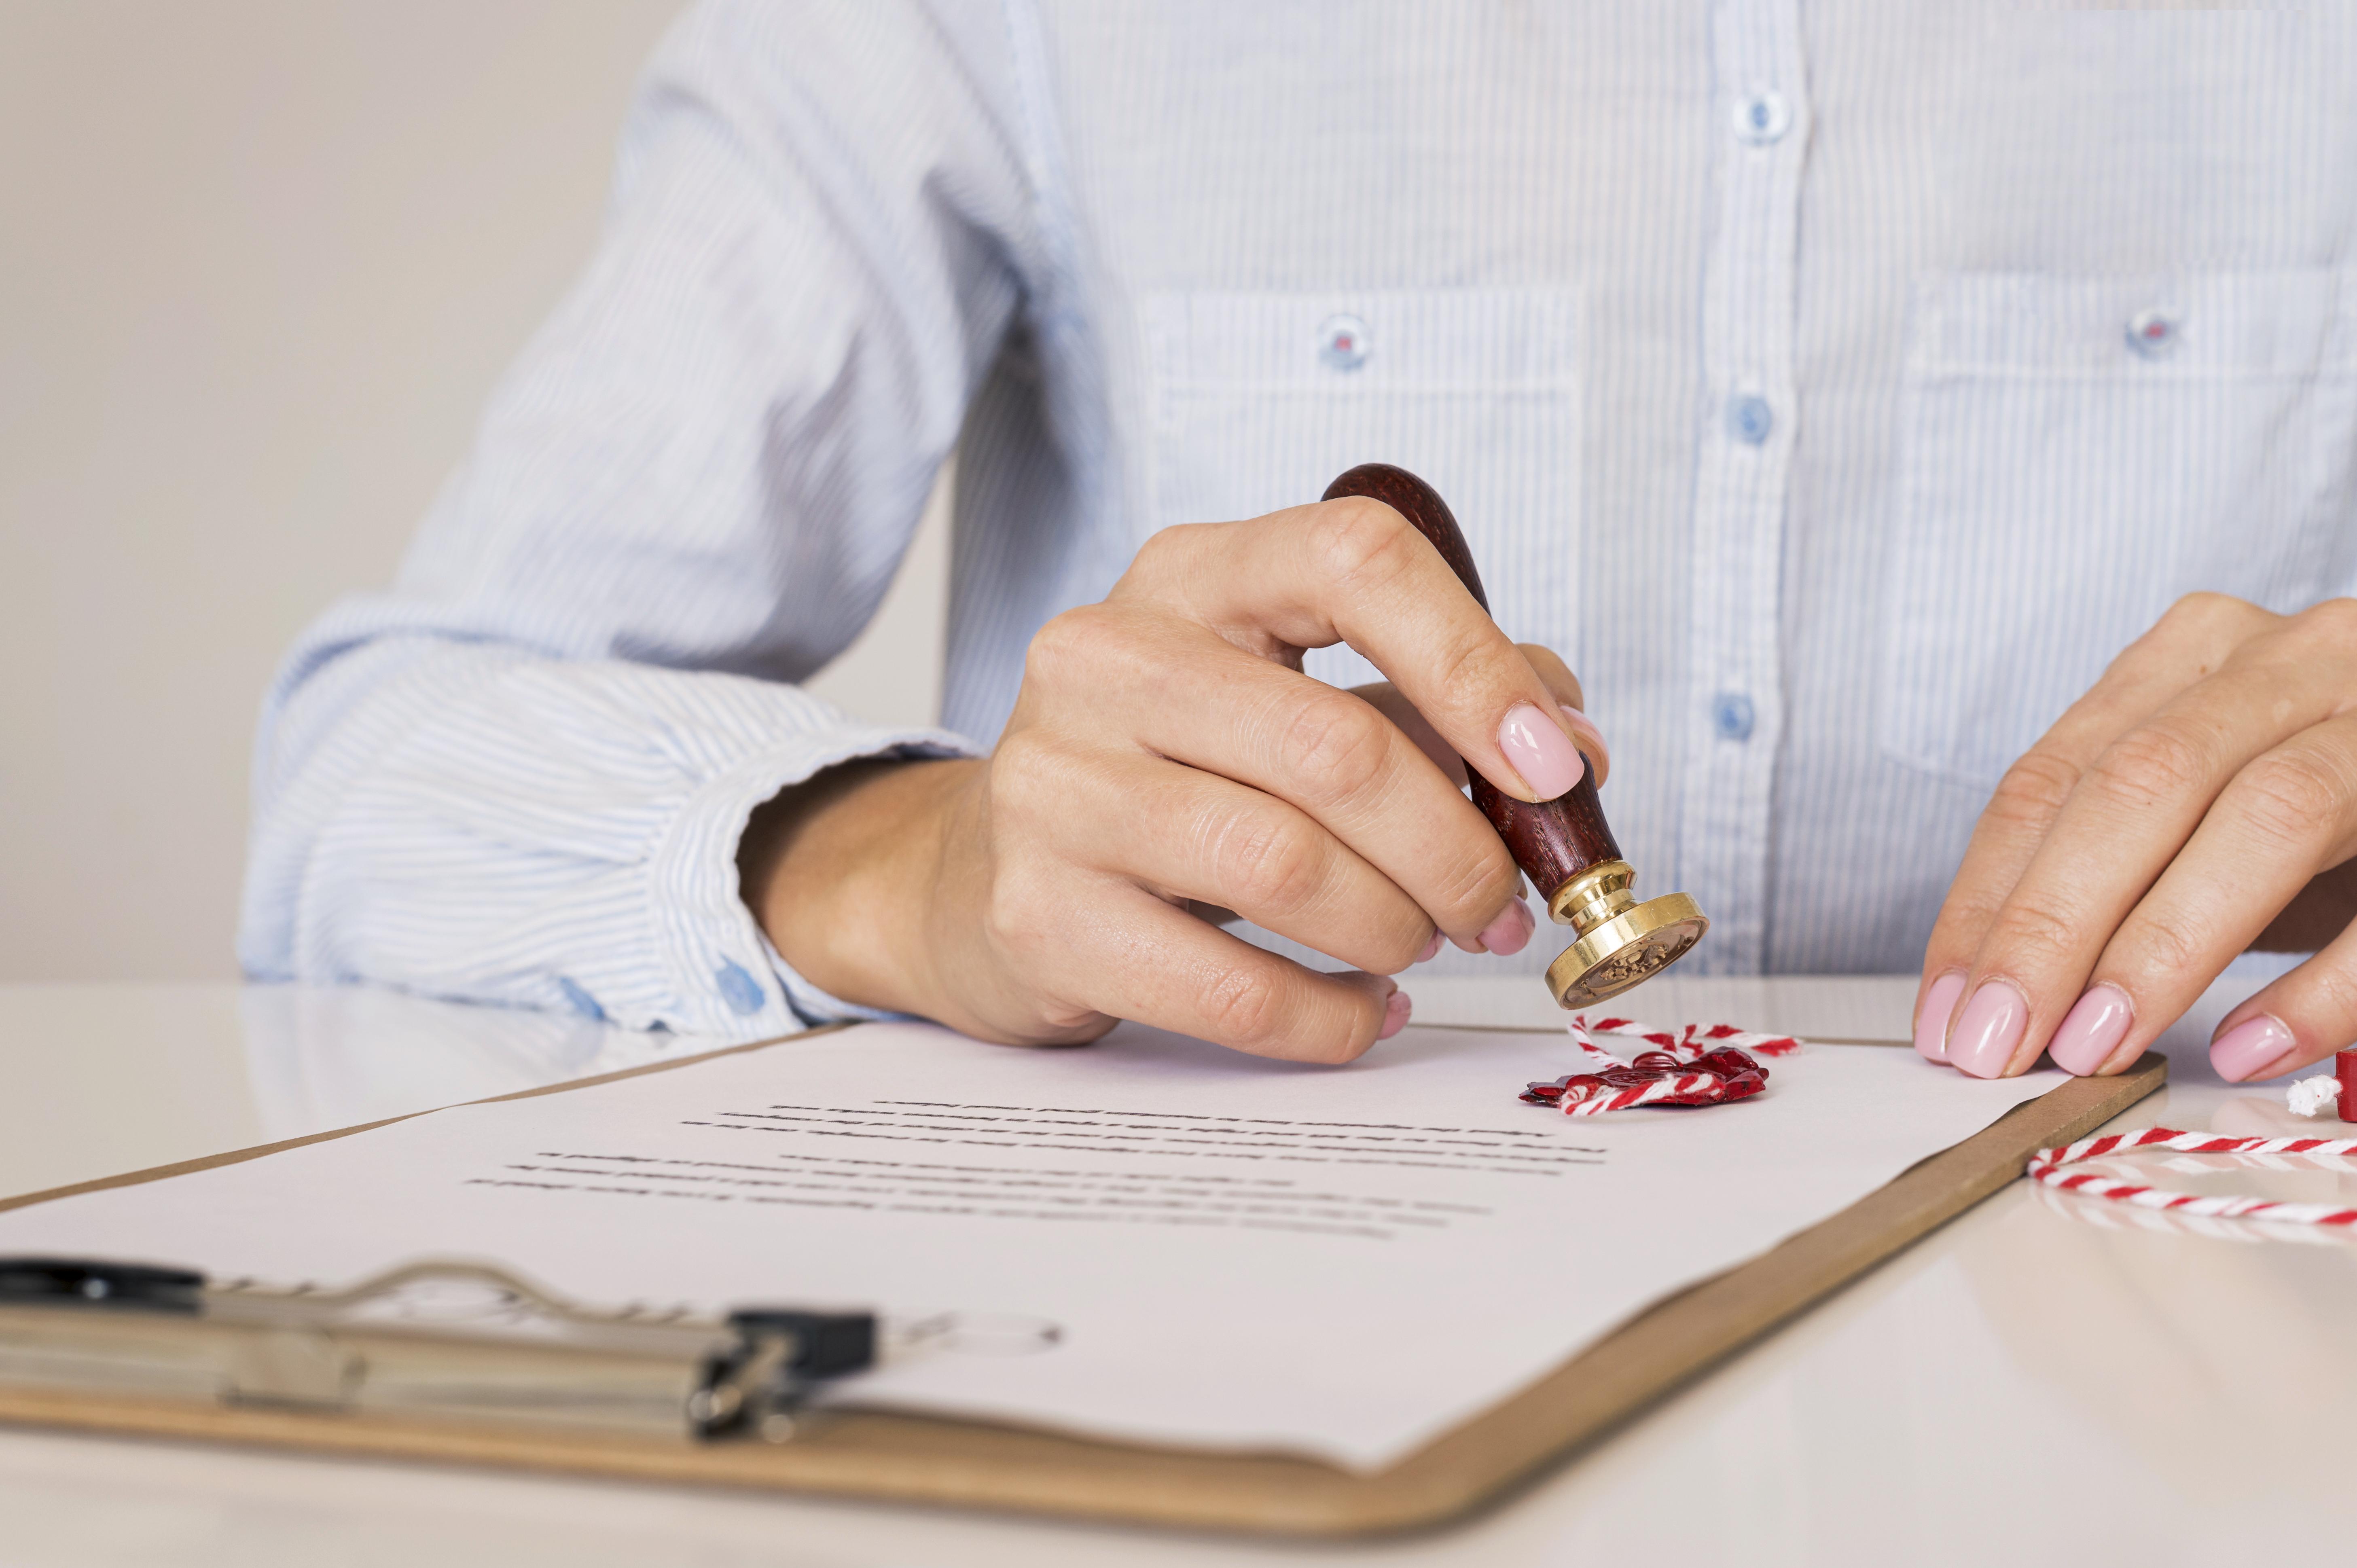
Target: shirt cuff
x=721, y=964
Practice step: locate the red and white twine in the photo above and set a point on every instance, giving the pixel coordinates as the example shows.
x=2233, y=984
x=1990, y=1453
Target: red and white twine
x=2048, y=1167
x=1696, y=1065
x=1685, y=1044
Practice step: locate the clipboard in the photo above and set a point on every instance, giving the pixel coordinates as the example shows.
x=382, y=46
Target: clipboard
x=908, y=1458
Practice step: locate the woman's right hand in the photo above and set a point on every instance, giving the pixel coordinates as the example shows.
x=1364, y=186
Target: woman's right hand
x=1166, y=753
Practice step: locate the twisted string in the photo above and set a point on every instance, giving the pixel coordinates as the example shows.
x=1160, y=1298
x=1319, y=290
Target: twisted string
x=2048, y=1167
x=1686, y=1044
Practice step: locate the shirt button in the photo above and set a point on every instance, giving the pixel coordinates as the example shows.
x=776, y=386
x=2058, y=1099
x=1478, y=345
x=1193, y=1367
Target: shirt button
x=1749, y=419
x=2152, y=334
x=1342, y=343
x=740, y=990
x=1730, y=714
x=1761, y=118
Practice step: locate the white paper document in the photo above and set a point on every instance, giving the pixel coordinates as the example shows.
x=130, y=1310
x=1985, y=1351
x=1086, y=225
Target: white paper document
x=1235, y=1253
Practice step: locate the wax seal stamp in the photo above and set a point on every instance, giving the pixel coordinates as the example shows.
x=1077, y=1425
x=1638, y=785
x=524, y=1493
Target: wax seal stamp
x=1563, y=845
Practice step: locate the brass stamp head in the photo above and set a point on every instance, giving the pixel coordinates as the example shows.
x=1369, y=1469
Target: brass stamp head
x=1621, y=941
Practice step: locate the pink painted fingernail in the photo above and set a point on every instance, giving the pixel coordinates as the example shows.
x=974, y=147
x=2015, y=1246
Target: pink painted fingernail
x=2092, y=1030
x=1931, y=1022
x=1988, y=1029
x=1431, y=950
x=1591, y=740
x=1511, y=931
x=1536, y=747
x=1396, y=1012
x=2249, y=1048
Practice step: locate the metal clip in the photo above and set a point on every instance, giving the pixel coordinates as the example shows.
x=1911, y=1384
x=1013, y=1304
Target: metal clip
x=761, y=1382
x=439, y=1338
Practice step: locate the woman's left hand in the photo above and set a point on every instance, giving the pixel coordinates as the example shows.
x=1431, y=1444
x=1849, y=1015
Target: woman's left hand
x=2201, y=801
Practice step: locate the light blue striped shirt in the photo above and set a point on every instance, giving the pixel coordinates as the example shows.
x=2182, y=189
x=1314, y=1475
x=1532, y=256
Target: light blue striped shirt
x=1838, y=386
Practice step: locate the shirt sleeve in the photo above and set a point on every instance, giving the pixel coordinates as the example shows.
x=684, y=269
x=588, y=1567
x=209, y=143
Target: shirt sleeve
x=519, y=774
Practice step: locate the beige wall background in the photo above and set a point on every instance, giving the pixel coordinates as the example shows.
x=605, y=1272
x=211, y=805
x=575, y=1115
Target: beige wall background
x=260, y=262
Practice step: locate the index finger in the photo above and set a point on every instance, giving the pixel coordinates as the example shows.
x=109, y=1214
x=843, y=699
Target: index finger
x=1561, y=683
x=1355, y=571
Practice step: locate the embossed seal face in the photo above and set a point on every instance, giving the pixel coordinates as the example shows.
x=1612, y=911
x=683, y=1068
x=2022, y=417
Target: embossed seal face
x=1630, y=965
x=1625, y=951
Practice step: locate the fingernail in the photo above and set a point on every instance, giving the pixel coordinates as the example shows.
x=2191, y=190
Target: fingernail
x=1591, y=741
x=1511, y=931
x=1396, y=1012
x=1431, y=950
x=1538, y=749
x=1931, y=1022
x=2249, y=1048
x=2092, y=1030
x=1988, y=1029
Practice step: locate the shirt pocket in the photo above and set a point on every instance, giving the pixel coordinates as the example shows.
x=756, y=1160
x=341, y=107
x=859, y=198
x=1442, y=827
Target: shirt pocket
x=1260, y=400
x=2080, y=453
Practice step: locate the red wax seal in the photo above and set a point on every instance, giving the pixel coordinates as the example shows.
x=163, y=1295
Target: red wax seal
x=1656, y=1078
x=1693, y=1066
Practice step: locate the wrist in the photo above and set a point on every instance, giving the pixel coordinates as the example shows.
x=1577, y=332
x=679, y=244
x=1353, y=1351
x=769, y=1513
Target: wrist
x=839, y=871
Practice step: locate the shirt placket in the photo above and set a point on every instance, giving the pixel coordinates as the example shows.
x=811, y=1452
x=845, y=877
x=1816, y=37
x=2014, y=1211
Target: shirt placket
x=1734, y=708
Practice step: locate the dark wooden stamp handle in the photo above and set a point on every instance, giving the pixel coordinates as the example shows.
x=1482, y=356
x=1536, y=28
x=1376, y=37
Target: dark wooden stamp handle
x=1552, y=841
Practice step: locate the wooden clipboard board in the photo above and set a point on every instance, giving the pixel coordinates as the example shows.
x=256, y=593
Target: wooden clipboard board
x=916, y=1459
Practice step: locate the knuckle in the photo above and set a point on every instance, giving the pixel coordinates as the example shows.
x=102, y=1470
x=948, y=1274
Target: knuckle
x=1357, y=538
x=1478, y=884
x=2333, y=622
x=2166, y=946
x=1166, y=554
x=1242, y=1007
x=2201, y=604
x=2205, y=609
x=1470, y=659
x=1335, y=746
x=1269, y=864
x=1161, y=545
x=2291, y=798
x=2032, y=929
x=1067, y=646
x=2206, y=624
x=2151, y=766
x=2034, y=788
x=1460, y=873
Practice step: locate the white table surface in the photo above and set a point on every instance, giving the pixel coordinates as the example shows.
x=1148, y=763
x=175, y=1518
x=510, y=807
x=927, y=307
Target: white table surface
x=2042, y=1380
